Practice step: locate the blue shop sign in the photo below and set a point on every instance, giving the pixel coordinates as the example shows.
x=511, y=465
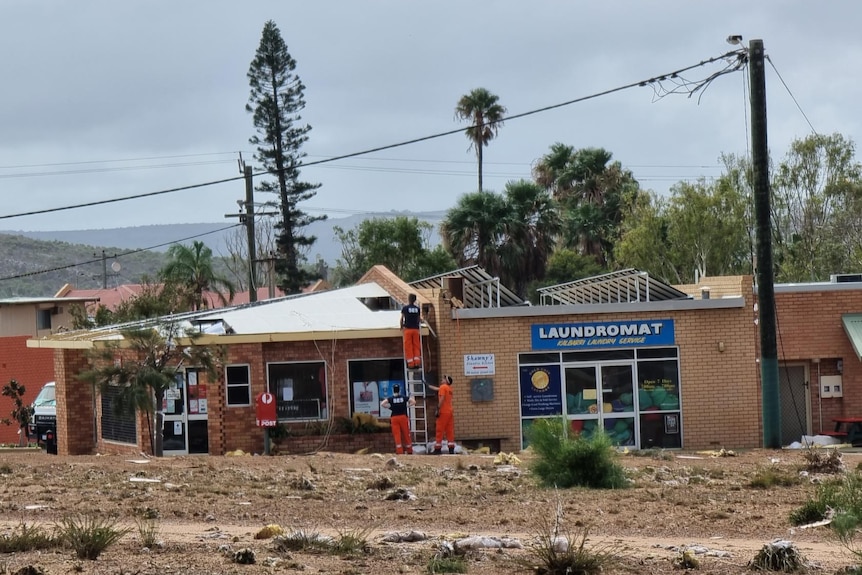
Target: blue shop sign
x=594, y=335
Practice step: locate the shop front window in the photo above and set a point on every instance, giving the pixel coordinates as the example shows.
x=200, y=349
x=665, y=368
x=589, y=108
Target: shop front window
x=659, y=404
x=300, y=390
x=371, y=381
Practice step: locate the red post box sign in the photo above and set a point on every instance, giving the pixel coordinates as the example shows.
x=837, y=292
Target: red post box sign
x=265, y=410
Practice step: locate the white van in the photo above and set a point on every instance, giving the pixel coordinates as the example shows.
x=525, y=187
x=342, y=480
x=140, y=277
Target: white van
x=43, y=424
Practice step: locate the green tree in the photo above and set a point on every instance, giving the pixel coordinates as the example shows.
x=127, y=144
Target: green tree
x=152, y=361
x=400, y=243
x=643, y=242
x=816, y=205
x=276, y=100
x=594, y=194
x=510, y=235
x=564, y=265
x=530, y=229
x=702, y=229
x=485, y=113
x=707, y=229
x=190, y=272
x=472, y=231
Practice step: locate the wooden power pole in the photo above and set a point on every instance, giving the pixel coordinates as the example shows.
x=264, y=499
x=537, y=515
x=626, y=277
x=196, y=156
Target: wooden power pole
x=764, y=273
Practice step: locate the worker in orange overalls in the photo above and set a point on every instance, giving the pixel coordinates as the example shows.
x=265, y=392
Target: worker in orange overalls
x=399, y=421
x=445, y=416
x=410, y=318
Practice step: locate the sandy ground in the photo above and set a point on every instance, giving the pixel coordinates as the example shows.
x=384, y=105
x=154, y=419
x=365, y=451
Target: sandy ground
x=209, y=507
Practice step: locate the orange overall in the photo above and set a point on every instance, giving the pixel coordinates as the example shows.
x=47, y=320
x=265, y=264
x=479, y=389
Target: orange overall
x=410, y=323
x=445, y=419
x=400, y=423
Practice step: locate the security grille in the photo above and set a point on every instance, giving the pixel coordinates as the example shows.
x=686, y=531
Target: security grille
x=116, y=425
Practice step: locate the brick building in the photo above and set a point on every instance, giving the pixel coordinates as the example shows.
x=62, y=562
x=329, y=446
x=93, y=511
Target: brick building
x=653, y=365
x=23, y=318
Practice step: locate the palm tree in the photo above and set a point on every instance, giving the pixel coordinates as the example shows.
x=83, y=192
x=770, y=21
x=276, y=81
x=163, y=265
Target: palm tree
x=472, y=230
x=531, y=226
x=191, y=271
x=484, y=112
x=593, y=193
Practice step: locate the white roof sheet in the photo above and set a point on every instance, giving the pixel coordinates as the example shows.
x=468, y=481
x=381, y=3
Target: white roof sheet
x=328, y=311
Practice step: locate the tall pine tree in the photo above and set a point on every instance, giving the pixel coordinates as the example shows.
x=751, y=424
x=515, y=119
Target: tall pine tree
x=276, y=100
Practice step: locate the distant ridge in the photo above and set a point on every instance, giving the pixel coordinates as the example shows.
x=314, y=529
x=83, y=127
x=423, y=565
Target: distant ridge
x=215, y=235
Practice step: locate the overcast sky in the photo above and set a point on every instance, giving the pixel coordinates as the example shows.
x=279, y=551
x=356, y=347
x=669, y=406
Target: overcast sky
x=106, y=99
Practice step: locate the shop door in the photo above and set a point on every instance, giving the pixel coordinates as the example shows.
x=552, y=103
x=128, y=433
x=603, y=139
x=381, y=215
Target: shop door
x=795, y=403
x=185, y=407
x=601, y=396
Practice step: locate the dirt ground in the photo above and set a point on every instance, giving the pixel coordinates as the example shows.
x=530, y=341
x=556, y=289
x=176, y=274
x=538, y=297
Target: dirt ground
x=208, y=507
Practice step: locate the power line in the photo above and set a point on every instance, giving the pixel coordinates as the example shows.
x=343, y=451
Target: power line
x=98, y=260
x=654, y=81
x=141, y=159
x=122, y=199
x=786, y=87
x=110, y=169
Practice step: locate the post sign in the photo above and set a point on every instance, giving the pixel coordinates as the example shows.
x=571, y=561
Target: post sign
x=265, y=410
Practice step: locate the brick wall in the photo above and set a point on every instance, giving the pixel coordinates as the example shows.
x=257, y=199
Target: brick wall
x=76, y=432
x=720, y=393
x=232, y=428
x=31, y=368
x=810, y=328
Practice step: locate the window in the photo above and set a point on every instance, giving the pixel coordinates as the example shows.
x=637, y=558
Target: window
x=371, y=381
x=117, y=424
x=238, y=382
x=43, y=319
x=299, y=389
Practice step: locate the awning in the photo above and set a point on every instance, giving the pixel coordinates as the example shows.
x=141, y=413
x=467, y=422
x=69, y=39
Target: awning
x=853, y=326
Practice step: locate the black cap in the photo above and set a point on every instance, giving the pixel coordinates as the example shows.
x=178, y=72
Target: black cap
x=396, y=388
x=448, y=379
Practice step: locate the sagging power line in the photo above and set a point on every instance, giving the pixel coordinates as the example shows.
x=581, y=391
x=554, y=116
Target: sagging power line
x=732, y=59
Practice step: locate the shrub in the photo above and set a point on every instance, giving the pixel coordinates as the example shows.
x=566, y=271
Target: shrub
x=447, y=565
x=352, y=542
x=301, y=540
x=823, y=461
x=148, y=531
x=560, y=552
x=89, y=535
x=772, y=477
x=779, y=556
x=574, y=461
x=26, y=538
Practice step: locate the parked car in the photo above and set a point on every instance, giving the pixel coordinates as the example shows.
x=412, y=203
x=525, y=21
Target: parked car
x=43, y=423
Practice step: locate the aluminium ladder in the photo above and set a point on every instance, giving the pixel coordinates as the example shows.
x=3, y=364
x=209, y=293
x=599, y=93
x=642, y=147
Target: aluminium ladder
x=415, y=379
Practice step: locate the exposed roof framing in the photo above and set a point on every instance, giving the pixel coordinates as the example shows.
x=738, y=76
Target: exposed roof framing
x=625, y=286
x=480, y=289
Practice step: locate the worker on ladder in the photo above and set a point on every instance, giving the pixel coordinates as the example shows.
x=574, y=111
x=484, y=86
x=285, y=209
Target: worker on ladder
x=410, y=319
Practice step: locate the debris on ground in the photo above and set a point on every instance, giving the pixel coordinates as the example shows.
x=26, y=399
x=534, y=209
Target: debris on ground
x=269, y=531
x=405, y=537
x=506, y=459
x=486, y=542
x=400, y=494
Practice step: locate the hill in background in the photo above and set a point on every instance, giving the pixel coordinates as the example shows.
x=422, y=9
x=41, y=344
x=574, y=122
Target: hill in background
x=38, y=264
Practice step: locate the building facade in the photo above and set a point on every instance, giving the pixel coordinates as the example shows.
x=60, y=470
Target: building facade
x=654, y=366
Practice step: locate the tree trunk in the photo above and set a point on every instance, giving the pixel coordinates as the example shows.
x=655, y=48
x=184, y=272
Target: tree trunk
x=159, y=431
x=479, y=155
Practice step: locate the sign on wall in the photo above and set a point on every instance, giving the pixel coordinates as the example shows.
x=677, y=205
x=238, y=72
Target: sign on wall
x=541, y=391
x=594, y=335
x=479, y=364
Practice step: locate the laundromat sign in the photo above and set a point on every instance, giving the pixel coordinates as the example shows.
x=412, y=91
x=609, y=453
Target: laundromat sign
x=579, y=336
